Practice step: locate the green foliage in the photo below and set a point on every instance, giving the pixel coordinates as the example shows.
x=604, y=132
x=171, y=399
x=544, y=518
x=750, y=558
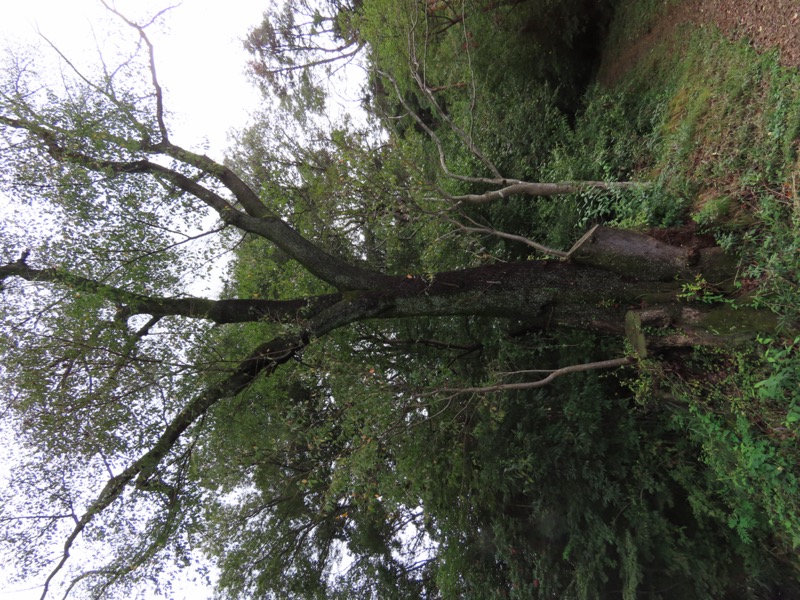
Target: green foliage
x=330, y=469
x=772, y=248
x=575, y=490
x=715, y=117
x=712, y=212
x=510, y=82
x=350, y=475
x=701, y=291
x=783, y=382
x=747, y=424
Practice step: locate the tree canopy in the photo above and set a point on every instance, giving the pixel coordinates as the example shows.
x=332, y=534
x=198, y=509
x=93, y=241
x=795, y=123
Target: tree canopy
x=402, y=389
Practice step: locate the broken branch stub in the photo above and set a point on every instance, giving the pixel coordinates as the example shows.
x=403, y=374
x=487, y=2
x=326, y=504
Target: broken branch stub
x=640, y=256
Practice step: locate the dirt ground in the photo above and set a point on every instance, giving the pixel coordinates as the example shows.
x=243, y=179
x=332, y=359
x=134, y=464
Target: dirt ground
x=766, y=24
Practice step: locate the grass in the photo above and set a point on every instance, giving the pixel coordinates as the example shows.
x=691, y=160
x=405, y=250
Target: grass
x=729, y=116
x=636, y=18
x=716, y=126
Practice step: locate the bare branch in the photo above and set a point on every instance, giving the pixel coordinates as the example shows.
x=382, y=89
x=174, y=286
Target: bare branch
x=151, y=51
x=510, y=236
x=513, y=187
x=506, y=387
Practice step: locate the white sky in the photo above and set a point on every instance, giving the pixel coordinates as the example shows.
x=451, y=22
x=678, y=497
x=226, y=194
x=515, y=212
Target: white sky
x=200, y=62
x=200, y=58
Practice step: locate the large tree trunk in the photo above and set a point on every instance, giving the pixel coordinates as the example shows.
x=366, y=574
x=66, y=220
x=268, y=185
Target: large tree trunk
x=614, y=281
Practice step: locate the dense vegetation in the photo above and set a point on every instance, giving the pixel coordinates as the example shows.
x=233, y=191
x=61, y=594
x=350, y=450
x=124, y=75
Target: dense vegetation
x=357, y=416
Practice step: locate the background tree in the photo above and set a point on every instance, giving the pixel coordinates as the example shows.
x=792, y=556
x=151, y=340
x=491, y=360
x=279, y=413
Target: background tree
x=291, y=44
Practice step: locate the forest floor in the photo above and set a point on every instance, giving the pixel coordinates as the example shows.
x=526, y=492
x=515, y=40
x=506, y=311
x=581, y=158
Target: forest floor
x=766, y=24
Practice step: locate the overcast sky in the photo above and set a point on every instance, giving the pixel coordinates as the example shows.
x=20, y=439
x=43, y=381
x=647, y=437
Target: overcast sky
x=200, y=61
x=199, y=53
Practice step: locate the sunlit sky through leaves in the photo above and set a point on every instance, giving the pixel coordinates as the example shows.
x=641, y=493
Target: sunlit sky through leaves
x=200, y=62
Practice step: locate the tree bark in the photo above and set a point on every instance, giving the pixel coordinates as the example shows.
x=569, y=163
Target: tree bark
x=615, y=282
x=645, y=258
x=657, y=328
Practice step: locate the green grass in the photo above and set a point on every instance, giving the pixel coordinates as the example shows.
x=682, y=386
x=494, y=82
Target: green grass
x=635, y=18
x=716, y=125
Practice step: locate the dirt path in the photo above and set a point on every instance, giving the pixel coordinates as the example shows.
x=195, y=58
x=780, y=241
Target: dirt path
x=766, y=23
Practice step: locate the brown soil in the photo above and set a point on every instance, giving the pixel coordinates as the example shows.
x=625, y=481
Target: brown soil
x=767, y=24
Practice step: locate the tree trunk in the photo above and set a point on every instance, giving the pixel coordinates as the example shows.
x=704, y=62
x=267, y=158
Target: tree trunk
x=614, y=282
x=645, y=258
x=680, y=325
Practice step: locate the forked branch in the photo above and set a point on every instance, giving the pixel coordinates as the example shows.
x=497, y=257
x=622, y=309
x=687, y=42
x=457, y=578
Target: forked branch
x=264, y=360
x=159, y=94
x=528, y=385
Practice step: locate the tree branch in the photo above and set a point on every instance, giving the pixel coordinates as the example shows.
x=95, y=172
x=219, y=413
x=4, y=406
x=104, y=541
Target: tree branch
x=505, y=387
x=512, y=237
x=256, y=218
x=264, y=360
x=433, y=136
x=459, y=132
x=218, y=311
x=151, y=53
x=314, y=63
x=513, y=187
